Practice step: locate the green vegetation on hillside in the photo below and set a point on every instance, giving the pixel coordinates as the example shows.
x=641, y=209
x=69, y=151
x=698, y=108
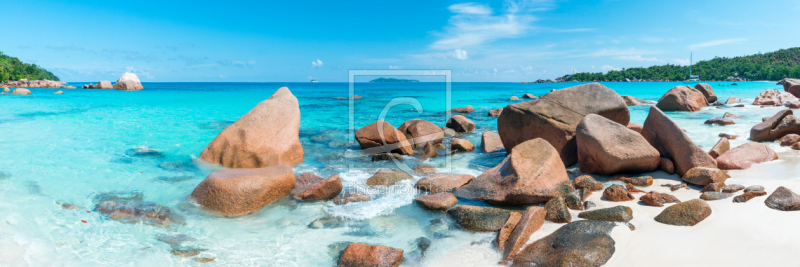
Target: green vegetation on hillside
x=784, y=63
x=12, y=68
x=392, y=80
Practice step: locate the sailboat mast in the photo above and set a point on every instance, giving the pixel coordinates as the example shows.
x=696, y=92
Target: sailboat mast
x=691, y=61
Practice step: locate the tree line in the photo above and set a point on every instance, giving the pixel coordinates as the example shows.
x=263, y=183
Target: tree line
x=13, y=69
x=784, y=63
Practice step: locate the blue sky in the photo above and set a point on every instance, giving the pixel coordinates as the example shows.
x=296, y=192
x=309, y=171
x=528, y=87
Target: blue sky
x=294, y=41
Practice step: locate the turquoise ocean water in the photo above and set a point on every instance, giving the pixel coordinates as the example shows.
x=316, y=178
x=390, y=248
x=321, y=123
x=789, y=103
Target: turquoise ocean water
x=70, y=148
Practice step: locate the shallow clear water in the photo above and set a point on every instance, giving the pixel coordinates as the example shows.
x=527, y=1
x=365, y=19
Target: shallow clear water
x=69, y=148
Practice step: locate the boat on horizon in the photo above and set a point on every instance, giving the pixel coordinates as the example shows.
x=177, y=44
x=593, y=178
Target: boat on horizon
x=693, y=79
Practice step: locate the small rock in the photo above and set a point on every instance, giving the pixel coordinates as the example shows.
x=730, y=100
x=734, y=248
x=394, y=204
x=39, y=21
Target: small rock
x=323, y=190
x=586, y=181
x=711, y=195
x=617, y=193
x=424, y=169
x=613, y=214
x=720, y=148
x=720, y=121
x=667, y=166
x=783, y=199
x=557, y=211
x=704, y=176
x=632, y=189
x=388, y=177
x=185, y=252
x=687, y=213
x=732, y=188
x=529, y=96
x=357, y=255
x=204, y=260
x=573, y=202
x=531, y=221
x=789, y=139
x=657, y=199
x=350, y=197
x=754, y=188
x=306, y=178
x=460, y=124
x=637, y=181
x=729, y=136
x=748, y=196
x=461, y=145
x=490, y=141
x=588, y=205
x=513, y=98
x=386, y=156
x=439, y=183
x=440, y=201
x=467, y=109
x=713, y=187
x=495, y=112
x=481, y=219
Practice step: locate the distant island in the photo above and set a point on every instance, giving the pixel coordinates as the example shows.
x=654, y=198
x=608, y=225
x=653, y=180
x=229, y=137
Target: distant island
x=13, y=69
x=393, y=80
x=784, y=63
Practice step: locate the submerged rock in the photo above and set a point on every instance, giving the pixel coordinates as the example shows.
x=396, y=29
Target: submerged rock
x=136, y=211
x=688, y=213
x=742, y=157
x=720, y=121
x=481, y=219
x=186, y=252
x=467, y=109
x=783, y=199
x=306, y=178
x=583, y=243
x=439, y=183
x=358, y=255
x=350, y=197
x=557, y=211
x=388, y=177
x=707, y=92
x=175, y=240
x=423, y=169
x=144, y=151
x=555, y=116
x=243, y=144
x=532, y=174
x=235, y=192
x=386, y=156
x=495, y=112
x=440, y=201
x=663, y=134
x=613, y=214
x=607, y=147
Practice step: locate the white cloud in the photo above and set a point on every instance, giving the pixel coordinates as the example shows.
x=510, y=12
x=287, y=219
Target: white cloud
x=461, y=54
x=235, y=63
x=607, y=52
x=638, y=58
x=495, y=70
x=609, y=67
x=528, y=68
x=474, y=24
x=395, y=67
x=682, y=62
x=316, y=64
x=717, y=43
x=470, y=8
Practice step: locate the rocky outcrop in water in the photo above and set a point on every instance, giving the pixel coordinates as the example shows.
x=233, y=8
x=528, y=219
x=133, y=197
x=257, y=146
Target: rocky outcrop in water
x=555, y=116
x=440, y=201
x=21, y=91
x=421, y=132
x=682, y=98
x=532, y=174
x=326, y=189
x=266, y=135
x=384, y=137
x=771, y=97
x=460, y=124
x=439, y=183
x=461, y=145
x=33, y=83
x=490, y=142
x=707, y=92
x=128, y=82
x=235, y=192
x=388, y=177
x=130, y=208
x=467, y=109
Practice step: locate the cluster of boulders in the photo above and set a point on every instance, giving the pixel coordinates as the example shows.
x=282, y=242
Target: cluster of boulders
x=99, y=85
x=34, y=83
x=128, y=82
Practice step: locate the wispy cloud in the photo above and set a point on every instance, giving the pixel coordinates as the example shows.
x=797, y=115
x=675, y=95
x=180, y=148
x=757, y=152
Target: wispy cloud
x=461, y=54
x=682, y=62
x=609, y=68
x=470, y=8
x=475, y=24
x=614, y=52
x=64, y=48
x=316, y=64
x=638, y=58
x=143, y=71
x=234, y=63
x=717, y=43
x=135, y=55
